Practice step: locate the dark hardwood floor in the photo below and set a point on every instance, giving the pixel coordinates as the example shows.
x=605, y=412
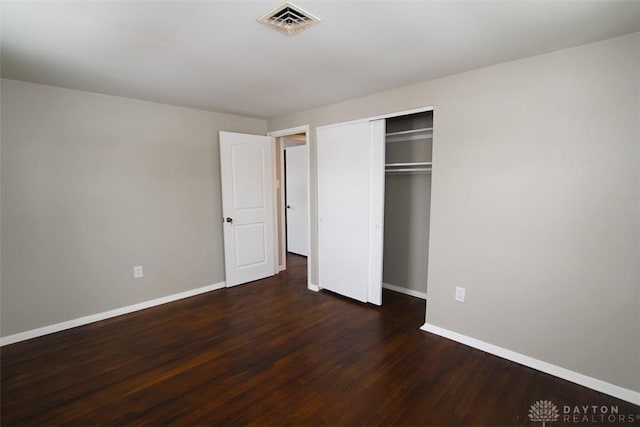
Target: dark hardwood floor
x=274, y=353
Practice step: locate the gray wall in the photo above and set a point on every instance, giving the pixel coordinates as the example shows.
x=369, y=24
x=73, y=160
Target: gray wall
x=93, y=185
x=535, y=204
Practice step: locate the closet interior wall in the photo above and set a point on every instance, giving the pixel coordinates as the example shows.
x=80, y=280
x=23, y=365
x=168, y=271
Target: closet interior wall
x=408, y=161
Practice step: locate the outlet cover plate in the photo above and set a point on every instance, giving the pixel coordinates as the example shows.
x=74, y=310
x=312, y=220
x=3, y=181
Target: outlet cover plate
x=460, y=294
x=138, y=272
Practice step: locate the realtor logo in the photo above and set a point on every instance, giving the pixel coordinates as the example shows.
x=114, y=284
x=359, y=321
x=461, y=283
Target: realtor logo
x=545, y=411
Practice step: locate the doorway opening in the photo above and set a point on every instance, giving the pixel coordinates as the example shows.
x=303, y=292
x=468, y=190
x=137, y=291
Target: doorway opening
x=292, y=196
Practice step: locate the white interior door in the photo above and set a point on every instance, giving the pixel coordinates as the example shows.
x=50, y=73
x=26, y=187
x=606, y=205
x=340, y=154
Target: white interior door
x=296, y=191
x=246, y=167
x=350, y=160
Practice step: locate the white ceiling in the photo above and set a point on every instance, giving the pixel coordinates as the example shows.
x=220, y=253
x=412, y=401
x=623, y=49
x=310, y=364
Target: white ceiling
x=214, y=55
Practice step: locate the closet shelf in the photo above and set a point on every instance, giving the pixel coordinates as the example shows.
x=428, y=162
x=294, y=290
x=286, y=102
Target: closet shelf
x=409, y=132
x=409, y=135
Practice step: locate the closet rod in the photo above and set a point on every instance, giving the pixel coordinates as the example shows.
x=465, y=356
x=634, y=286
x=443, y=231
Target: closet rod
x=408, y=164
x=408, y=170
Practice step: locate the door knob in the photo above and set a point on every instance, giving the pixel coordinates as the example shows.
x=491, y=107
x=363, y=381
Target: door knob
x=229, y=219
x=288, y=206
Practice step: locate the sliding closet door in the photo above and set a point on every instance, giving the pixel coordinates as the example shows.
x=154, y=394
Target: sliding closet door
x=344, y=156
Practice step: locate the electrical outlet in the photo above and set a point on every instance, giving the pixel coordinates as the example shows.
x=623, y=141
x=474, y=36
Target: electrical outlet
x=460, y=294
x=138, y=272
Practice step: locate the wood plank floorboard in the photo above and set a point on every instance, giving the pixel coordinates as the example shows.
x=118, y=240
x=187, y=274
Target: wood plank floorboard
x=273, y=353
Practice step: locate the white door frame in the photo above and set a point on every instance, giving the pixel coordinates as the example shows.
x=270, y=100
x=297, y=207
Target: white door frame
x=280, y=204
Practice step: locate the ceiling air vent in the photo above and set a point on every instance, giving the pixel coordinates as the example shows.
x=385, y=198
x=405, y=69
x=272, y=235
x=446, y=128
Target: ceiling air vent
x=288, y=18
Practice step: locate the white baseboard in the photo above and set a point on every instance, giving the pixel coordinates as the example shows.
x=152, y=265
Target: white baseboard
x=314, y=288
x=405, y=291
x=281, y=268
x=560, y=372
x=57, y=327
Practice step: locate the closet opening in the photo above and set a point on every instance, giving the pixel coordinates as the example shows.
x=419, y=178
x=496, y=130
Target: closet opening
x=407, y=203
